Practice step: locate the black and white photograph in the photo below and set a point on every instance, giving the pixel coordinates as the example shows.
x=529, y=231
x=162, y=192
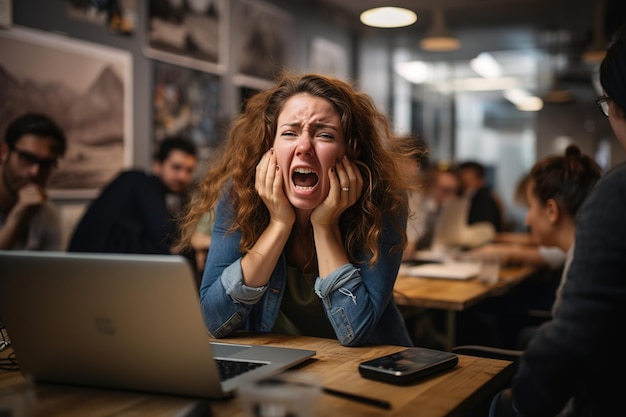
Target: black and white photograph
x=189, y=33
x=85, y=88
x=329, y=58
x=263, y=41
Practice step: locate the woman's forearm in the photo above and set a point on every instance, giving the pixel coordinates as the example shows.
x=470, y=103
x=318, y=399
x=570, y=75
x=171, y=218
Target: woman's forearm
x=331, y=253
x=257, y=265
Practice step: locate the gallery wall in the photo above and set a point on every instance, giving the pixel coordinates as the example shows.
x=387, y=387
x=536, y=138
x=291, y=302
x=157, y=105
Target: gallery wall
x=53, y=17
x=157, y=75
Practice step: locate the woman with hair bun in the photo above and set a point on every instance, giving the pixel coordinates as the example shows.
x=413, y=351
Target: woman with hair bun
x=556, y=188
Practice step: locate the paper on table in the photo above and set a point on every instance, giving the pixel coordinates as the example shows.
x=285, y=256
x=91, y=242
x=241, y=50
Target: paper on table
x=448, y=270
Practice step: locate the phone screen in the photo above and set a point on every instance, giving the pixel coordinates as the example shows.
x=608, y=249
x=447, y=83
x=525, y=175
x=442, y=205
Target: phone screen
x=409, y=359
x=408, y=365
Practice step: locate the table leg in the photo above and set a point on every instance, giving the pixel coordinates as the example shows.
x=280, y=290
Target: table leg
x=450, y=329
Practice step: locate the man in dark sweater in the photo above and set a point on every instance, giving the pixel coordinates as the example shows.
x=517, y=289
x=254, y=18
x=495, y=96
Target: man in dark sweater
x=484, y=205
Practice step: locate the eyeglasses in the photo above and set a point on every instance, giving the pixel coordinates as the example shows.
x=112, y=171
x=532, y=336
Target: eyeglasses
x=30, y=159
x=603, y=104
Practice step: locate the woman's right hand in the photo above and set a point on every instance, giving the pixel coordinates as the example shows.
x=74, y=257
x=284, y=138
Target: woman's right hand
x=269, y=184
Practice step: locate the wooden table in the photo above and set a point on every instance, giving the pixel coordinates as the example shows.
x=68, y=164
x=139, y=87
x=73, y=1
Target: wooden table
x=454, y=393
x=454, y=295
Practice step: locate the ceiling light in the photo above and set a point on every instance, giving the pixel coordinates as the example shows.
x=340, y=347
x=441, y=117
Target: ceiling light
x=594, y=53
x=438, y=38
x=515, y=95
x=388, y=17
x=486, y=65
x=417, y=72
x=484, y=84
x=530, y=103
x=523, y=100
x=558, y=95
x=477, y=84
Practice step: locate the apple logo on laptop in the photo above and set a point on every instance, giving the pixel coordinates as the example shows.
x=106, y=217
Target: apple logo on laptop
x=105, y=325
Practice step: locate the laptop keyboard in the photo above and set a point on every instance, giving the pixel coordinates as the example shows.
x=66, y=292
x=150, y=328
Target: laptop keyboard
x=230, y=369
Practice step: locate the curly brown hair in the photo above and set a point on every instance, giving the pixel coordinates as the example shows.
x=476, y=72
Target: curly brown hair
x=370, y=144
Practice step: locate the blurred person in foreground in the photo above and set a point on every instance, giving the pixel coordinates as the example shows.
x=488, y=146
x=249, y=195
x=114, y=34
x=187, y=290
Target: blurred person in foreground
x=310, y=219
x=29, y=154
x=573, y=365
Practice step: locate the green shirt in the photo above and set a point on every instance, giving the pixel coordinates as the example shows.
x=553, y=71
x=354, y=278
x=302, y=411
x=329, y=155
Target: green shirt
x=302, y=312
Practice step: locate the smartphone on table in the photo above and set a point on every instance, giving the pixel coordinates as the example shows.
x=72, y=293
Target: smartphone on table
x=408, y=365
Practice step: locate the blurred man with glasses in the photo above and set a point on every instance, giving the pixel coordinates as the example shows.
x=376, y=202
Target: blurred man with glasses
x=29, y=154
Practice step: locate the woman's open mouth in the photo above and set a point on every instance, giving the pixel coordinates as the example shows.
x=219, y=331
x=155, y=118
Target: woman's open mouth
x=304, y=179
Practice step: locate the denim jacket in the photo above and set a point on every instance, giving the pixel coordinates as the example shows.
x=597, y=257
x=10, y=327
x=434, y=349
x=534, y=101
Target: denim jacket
x=358, y=299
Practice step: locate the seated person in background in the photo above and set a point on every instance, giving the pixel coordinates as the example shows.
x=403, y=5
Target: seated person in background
x=441, y=184
x=574, y=362
x=556, y=189
x=484, y=205
x=521, y=248
x=312, y=242
x=413, y=169
x=131, y=215
x=29, y=154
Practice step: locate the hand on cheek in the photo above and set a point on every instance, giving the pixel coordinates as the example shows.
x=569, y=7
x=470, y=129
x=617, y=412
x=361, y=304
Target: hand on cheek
x=346, y=185
x=268, y=184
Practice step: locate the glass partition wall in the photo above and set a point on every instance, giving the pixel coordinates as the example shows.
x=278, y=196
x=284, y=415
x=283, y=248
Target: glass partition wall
x=496, y=108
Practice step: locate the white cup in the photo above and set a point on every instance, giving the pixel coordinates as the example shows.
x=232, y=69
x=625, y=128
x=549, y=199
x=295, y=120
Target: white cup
x=291, y=393
x=489, y=270
x=18, y=400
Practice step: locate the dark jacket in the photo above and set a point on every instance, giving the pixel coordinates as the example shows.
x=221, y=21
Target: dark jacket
x=485, y=208
x=580, y=353
x=129, y=216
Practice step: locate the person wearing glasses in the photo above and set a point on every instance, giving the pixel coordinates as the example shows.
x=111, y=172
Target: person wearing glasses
x=29, y=154
x=574, y=364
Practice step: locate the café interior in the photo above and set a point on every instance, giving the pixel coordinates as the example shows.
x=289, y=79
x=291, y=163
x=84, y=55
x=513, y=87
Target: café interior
x=501, y=82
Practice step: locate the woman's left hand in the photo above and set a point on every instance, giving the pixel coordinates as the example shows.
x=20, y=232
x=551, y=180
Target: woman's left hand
x=346, y=185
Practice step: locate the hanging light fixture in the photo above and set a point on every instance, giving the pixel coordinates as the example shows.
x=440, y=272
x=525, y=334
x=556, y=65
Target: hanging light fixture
x=596, y=51
x=438, y=38
x=388, y=17
x=558, y=92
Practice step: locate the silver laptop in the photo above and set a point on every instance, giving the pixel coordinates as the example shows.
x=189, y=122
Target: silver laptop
x=452, y=229
x=120, y=321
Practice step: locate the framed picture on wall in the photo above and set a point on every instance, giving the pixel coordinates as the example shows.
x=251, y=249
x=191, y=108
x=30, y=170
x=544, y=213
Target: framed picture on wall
x=86, y=88
x=263, y=42
x=328, y=58
x=186, y=103
x=119, y=16
x=6, y=13
x=193, y=34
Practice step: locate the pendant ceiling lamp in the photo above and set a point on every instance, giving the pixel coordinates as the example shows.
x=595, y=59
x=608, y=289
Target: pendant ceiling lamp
x=596, y=51
x=438, y=38
x=388, y=17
